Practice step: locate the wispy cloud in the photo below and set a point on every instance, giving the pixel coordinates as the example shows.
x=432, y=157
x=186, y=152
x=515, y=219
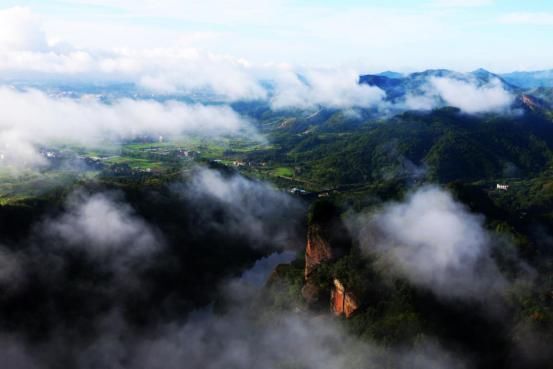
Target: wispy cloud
x=252, y=209
x=467, y=95
x=102, y=225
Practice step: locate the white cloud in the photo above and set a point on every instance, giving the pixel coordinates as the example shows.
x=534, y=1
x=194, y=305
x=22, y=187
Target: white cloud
x=254, y=210
x=25, y=54
x=21, y=30
x=102, y=225
x=437, y=243
x=189, y=70
x=163, y=71
x=247, y=335
x=331, y=88
x=466, y=95
x=323, y=34
x=243, y=337
x=32, y=118
x=421, y=102
x=491, y=97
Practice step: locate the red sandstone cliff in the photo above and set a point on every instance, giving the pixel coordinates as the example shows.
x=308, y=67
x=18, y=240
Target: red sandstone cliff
x=318, y=249
x=327, y=237
x=342, y=302
x=327, y=241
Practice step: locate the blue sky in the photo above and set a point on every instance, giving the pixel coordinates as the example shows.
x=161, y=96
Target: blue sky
x=370, y=35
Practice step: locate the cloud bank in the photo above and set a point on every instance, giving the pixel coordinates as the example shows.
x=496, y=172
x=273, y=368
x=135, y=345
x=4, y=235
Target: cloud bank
x=491, y=97
x=21, y=30
x=468, y=96
x=333, y=89
x=30, y=118
x=436, y=243
x=27, y=55
x=84, y=319
x=239, y=338
x=83, y=306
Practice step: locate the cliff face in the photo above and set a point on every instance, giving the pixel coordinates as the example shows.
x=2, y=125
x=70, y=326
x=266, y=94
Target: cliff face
x=327, y=237
x=318, y=249
x=342, y=302
x=327, y=241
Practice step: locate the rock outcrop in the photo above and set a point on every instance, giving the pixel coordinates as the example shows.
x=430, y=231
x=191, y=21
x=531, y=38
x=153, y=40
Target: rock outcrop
x=530, y=102
x=327, y=236
x=342, y=302
x=318, y=249
x=327, y=241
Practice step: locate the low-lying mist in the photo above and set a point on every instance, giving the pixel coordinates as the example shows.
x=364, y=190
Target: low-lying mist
x=175, y=276
x=32, y=118
x=435, y=242
x=108, y=270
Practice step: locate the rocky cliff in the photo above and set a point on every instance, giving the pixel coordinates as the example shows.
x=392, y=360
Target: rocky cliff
x=327, y=236
x=327, y=241
x=342, y=301
x=318, y=249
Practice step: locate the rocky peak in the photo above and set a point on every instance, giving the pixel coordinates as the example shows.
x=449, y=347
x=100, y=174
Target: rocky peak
x=327, y=236
x=318, y=249
x=327, y=240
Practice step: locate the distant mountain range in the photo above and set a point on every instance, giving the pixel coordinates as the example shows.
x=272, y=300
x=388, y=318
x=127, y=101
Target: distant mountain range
x=532, y=90
x=523, y=80
x=397, y=85
x=530, y=79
